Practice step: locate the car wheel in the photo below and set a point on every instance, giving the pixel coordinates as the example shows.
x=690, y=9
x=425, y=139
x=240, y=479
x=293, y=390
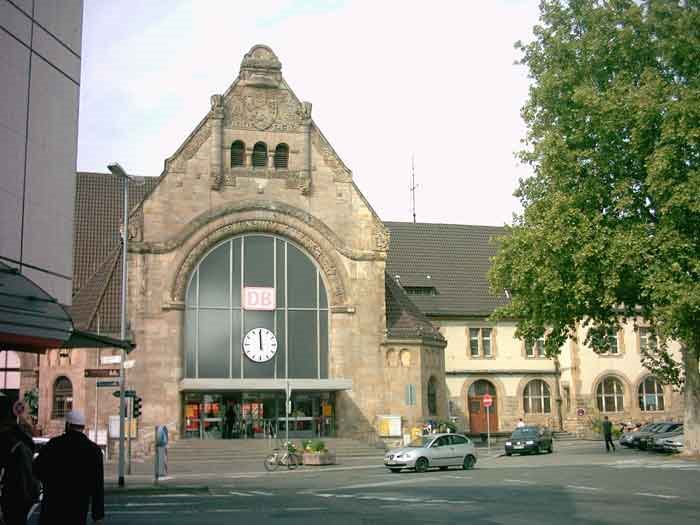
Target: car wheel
x=395, y=470
x=551, y=447
x=469, y=462
x=509, y=453
x=421, y=465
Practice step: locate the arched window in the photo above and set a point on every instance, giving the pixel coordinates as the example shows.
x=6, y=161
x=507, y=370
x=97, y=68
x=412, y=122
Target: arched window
x=651, y=395
x=482, y=387
x=237, y=154
x=536, y=398
x=610, y=395
x=260, y=155
x=62, y=397
x=9, y=370
x=281, y=157
x=432, y=396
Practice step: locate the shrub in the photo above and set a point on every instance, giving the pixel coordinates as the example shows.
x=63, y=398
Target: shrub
x=315, y=445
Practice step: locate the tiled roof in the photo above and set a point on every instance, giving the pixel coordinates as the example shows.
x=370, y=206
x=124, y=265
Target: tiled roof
x=403, y=319
x=452, y=258
x=99, y=203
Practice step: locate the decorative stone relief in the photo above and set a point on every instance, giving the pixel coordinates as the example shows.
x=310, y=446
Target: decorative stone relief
x=405, y=358
x=381, y=238
x=340, y=172
x=263, y=110
x=392, y=358
x=190, y=149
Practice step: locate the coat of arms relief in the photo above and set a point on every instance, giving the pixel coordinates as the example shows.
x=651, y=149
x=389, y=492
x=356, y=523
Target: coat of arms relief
x=263, y=110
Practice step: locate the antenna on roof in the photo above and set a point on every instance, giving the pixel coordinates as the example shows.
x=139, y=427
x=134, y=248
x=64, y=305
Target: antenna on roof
x=413, y=189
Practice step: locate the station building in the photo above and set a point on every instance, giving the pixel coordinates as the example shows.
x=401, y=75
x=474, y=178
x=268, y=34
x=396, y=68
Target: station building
x=256, y=267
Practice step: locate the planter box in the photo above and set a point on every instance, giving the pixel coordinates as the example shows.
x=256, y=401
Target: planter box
x=323, y=458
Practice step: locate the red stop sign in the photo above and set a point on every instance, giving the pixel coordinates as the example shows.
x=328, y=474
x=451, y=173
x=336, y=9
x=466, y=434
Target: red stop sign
x=488, y=401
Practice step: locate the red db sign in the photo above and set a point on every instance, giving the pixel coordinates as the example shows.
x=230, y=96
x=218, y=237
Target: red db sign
x=259, y=298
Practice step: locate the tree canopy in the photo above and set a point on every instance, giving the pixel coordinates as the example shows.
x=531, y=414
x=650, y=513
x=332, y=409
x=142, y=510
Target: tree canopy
x=610, y=227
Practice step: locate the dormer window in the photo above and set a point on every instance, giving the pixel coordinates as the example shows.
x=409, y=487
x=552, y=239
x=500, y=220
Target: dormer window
x=260, y=155
x=281, y=157
x=237, y=154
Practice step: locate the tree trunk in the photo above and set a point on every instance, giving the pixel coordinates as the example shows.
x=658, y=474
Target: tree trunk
x=691, y=420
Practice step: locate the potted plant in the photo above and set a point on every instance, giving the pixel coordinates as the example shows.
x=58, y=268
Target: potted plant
x=316, y=453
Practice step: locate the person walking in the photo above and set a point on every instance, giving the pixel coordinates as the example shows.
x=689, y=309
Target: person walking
x=607, y=434
x=18, y=488
x=71, y=468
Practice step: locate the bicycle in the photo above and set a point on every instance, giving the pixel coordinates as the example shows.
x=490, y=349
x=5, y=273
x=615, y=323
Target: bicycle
x=285, y=457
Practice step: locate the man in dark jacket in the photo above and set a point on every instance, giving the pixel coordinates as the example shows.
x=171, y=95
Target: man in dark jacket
x=607, y=433
x=18, y=488
x=70, y=467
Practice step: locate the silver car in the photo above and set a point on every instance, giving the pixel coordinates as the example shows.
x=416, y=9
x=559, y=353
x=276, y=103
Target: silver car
x=434, y=450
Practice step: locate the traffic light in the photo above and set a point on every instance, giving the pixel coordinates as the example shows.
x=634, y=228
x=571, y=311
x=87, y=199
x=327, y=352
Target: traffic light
x=137, y=407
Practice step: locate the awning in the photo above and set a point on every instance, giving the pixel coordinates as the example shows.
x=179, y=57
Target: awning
x=33, y=321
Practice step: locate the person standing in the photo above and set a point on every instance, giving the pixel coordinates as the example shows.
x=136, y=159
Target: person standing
x=607, y=434
x=520, y=424
x=71, y=468
x=18, y=488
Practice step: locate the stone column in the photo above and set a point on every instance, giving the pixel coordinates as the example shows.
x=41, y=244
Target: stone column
x=306, y=185
x=216, y=119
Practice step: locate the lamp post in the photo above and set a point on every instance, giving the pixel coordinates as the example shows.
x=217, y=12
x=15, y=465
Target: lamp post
x=117, y=170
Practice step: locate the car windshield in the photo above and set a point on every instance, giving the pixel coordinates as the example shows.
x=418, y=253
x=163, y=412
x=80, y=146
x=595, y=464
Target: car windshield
x=421, y=442
x=524, y=432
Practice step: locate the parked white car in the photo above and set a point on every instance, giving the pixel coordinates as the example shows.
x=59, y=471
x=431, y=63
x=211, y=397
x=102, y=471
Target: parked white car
x=672, y=443
x=433, y=450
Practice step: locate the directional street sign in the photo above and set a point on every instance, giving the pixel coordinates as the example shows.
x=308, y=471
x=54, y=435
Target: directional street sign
x=107, y=383
x=111, y=359
x=101, y=372
x=127, y=393
x=129, y=364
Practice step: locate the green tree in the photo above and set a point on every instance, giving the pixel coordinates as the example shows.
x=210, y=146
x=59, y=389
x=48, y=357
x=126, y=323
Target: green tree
x=610, y=228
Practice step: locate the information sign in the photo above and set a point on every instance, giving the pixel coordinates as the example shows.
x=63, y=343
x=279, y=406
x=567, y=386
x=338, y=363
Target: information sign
x=256, y=298
x=101, y=372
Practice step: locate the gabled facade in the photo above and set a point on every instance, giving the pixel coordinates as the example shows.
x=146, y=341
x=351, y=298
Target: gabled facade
x=255, y=201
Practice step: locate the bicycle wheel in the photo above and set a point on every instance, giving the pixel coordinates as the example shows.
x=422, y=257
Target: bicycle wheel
x=292, y=461
x=271, y=462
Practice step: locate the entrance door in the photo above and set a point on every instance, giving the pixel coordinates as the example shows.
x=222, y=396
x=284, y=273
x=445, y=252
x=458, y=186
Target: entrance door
x=477, y=410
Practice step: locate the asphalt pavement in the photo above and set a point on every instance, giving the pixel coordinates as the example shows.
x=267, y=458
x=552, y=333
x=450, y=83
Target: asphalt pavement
x=578, y=483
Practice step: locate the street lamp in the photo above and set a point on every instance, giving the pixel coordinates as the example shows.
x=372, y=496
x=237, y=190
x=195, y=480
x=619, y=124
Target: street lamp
x=117, y=170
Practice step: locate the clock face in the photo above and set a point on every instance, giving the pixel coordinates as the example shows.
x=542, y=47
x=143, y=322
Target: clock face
x=260, y=345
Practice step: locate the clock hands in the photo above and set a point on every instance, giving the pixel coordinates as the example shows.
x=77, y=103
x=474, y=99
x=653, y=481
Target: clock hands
x=260, y=334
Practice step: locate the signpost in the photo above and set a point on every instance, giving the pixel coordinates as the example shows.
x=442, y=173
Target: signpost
x=108, y=383
x=488, y=401
x=110, y=359
x=129, y=364
x=127, y=393
x=101, y=372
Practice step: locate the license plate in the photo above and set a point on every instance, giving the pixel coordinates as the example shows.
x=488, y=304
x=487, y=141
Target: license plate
x=519, y=446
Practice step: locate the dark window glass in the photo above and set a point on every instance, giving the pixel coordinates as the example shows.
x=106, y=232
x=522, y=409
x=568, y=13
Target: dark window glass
x=236, y=342
x=213, y=277
x=281, y=156
x=432, y=396
x=190, y=339
x=251, y=369
x=62, y=397
x=486, y=341
x=236, y=274
x=259, y=261
x=302, y=344
x=474, y=341
x=214, y=343
x=237, y=154
x=281, y=349
x=280, y=273
x=323, y=333
x=192, y=290
x=301, y=275
x=259, y=155
x=482, y=387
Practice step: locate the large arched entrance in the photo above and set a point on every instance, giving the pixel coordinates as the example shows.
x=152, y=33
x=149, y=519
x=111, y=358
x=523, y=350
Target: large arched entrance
x=477, y=411
x=256, y=319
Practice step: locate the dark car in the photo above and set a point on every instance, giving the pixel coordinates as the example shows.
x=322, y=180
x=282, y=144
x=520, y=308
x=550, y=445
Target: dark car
x=659, y=428
x=646, y=441
x=529, y=440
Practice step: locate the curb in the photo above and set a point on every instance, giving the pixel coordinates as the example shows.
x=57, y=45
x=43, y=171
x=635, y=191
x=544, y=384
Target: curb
x=156, y=489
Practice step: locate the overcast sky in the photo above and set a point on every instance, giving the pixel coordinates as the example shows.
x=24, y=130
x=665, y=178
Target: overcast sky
x=388, y=80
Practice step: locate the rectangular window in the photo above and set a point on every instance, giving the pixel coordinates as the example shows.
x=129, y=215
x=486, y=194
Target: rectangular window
x=647, y=340
x=612, y=337
x=411, y=395
x=474, y=341
x=539, y=347
x=486, y=341
x=529, y=349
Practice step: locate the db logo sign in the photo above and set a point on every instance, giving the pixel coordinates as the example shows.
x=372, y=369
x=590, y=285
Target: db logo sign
x=259, y=298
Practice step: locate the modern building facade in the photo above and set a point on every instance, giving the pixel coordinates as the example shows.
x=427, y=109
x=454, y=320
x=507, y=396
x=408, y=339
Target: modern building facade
x=257, y=268
x=40, y=46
